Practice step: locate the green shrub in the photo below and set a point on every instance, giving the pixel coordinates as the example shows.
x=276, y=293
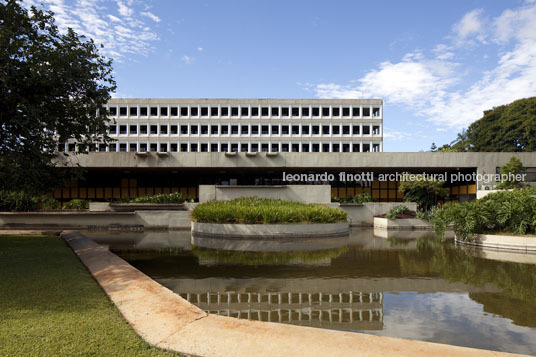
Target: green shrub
x=11, y=201
x=423, y=190
x=512, y=167
x=359, y=199
x=396, y=211
x=253, y=210
x=175, y=197
x=48, y=202
x=76, y=204
x=504, y=211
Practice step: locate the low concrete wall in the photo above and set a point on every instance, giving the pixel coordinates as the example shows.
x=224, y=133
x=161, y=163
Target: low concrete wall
x=273, y=231
x=300, y=193
x=402, y=224
x=96, y=220
x=503, y=242
x=363, y=215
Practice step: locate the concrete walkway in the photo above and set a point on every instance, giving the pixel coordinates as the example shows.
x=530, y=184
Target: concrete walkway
x=166, y=320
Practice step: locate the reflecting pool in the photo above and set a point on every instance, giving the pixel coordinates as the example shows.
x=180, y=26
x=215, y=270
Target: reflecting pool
x=420, y=289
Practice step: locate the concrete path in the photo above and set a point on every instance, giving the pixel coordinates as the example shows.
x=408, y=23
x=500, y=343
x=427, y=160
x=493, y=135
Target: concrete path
x=166, y=320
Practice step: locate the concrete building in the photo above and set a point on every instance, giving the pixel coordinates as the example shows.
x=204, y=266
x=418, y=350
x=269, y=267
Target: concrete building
x=243, y=125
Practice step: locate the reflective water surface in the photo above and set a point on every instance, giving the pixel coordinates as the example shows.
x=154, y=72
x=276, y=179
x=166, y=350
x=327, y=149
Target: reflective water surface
x=411, y=288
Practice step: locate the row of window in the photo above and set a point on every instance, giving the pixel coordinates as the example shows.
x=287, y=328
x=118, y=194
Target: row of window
x=243, y=111
x=228, y=147
x=244, y=129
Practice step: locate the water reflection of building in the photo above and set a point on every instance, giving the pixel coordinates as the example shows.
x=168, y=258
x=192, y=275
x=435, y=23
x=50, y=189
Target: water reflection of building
x=346, y=310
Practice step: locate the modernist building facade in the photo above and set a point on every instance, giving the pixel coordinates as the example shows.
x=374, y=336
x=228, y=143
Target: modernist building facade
x=243, y=125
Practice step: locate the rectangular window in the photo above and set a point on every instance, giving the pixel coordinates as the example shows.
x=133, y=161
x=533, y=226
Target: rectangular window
x=366, y=147
x=154, y=129
x=173, y=147
x=285, y=112
x=295, y=111
x=102, y=147
x=295, y=147
x=366, y=130
x=143, y=147
x=264, y=111
x=204, y=147
x=133, y=129
x=163, y=111
x=345, y=112
x=214, y=111
x=264, y=147
x=225, y=112
x=325, y=147
x=173, y=129
x=376, y=147
x=254, y=130
x=204, y=129
x=284, y=147
x=244, y=129
x=224, y=147
x=194, y=129
x=133, y=147
x=305, y=130
x=336, y=112
x=123, y=113
x=184, y=129
x=316, y=130
x=355, y=112
x=325, y=129
x=143, y=111
x=214, y=129
x=316, y=147
x=112, y=111
x=184, y=147
x=305, y=111
x=325, y=111
x=284, y=129
x=295, y=130
x=184, y=111
x=265, y=130
x=346, y=130
x=225, y=130
x=122, y=129
x=112, y=148
x=376, y=130
x=275, y=111
x=275, y=147
x=345, y=147
x=305, y=148
x=204, y=111
x=366, y=112
x=336, y=130
x=254, y=147
x=143, y=129
x=316, y=111
x=123, y=147
x=153, y=147
x=133, y=111
x=112, y=129
x=174, y=113
x=355, y=148
x=154, y=111
x=255, y=111
x=355, y=130
x=234, y=111
x=244, y=111
x=234, y=147
x=194, y=111
x=214, y=147
x=163, y=129
x=193, y=147
x=234, y=129
x=275, y=129
x=375, y=112
x=335, y=148
x=244, y=147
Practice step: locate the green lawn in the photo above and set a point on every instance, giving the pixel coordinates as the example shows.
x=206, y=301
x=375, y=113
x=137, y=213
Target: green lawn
x=50, y=305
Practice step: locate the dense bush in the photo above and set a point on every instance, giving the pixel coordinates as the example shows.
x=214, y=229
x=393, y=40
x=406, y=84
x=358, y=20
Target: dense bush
x=253, y=210
x=18, y=201
x=396, y=211
x=76, y=204
x=504, y=211
x=362, y=198
x=424, y=191
x=175, y=197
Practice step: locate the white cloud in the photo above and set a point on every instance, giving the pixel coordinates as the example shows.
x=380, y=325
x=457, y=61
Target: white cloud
x=151, y=16
x=397, y=135
x=200, y=49
x=187, y=59
x=115, y=24
x=433, y=86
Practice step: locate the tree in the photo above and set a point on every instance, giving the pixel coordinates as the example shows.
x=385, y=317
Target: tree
x=433, y=148
x=512, y=167
x=423, y=190
x=508, y=128
x=53, y=87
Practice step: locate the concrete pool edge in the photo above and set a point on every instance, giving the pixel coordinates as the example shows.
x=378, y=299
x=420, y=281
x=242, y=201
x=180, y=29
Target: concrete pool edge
x=166, y=320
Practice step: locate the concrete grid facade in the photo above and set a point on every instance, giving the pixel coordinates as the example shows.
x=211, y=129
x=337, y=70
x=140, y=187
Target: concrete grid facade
x=244, y=125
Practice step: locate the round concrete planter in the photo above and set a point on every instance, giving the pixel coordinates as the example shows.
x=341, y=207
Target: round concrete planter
x=271, y=231
x=503, y=242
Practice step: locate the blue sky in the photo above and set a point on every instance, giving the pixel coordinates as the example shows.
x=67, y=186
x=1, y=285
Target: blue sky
x=436, y=64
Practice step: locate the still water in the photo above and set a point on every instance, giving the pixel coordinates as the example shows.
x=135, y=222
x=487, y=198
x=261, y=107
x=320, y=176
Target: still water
x=419, y=289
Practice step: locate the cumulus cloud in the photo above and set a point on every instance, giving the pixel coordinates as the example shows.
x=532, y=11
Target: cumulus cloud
x=187, y=59
x=115, y=24
x=435, y=86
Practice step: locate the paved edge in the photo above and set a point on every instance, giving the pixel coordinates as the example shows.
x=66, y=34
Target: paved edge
x=164, y=319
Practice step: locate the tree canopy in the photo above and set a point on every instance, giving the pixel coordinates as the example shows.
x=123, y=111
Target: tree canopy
x=52, y=88
x=507, y=128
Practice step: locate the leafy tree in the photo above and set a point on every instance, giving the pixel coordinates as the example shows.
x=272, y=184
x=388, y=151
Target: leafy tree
x=52, y=87
x=513, y=167
x=508, y=128
x=423, y=190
